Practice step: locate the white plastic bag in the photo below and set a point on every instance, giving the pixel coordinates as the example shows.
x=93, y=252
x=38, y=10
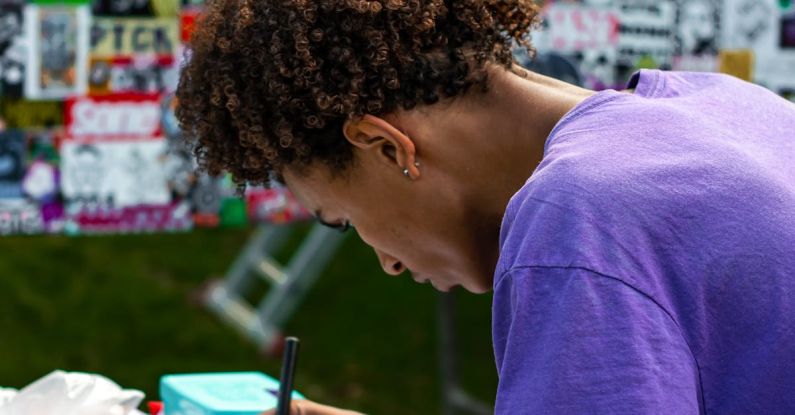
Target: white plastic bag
x=73, y=393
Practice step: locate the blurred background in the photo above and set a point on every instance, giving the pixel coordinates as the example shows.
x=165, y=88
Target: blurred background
x=119, y=259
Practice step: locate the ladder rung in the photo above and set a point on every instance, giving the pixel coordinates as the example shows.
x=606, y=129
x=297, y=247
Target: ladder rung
x=270, y=270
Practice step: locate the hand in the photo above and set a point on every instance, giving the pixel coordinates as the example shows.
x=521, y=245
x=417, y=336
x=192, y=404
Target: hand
x=305, y=407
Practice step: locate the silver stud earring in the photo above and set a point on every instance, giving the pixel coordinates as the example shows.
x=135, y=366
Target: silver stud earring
x=406, y=172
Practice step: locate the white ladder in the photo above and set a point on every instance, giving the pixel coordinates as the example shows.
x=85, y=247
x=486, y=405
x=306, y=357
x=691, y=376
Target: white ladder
x=289, y=283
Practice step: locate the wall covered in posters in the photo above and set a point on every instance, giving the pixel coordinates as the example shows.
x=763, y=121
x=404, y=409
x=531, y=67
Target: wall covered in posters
x=89, y=143
x=751, y=39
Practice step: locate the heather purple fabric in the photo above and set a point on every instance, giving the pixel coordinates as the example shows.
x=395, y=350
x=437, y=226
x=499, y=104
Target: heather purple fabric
x=648, y=264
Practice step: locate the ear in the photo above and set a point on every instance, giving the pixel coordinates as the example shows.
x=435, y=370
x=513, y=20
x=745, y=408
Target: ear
x=379, y=138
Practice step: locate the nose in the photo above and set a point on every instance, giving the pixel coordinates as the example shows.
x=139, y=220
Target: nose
x=390, y=264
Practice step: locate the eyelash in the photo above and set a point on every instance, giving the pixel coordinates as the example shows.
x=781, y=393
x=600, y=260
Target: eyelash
x=343, y=227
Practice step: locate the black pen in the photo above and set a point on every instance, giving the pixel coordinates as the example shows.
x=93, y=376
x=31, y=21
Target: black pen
x=286, y=379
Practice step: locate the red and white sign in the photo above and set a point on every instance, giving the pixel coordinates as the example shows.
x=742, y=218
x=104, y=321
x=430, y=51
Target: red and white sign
x=119, y=116
x=575, y=27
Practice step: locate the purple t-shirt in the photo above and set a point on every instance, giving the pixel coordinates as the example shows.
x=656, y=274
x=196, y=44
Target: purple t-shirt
x=648, y=264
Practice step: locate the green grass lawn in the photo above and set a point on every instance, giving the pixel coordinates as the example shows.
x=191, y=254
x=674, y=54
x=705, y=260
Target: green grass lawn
x=123, y=306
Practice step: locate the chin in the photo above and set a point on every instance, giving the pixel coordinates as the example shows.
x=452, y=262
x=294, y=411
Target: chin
x=478, y=289
x=474, y=288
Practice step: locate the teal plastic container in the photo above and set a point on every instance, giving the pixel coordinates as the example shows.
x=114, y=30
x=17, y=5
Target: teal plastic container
x=240, y=393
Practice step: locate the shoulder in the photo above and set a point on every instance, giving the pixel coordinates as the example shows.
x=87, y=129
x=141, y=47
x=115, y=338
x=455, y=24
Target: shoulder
x=561, y=206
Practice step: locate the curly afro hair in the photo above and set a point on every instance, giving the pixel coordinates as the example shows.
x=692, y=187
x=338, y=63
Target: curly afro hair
x=269, y=83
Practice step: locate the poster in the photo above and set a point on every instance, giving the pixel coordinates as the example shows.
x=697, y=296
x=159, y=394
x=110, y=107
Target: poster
x=13, y=48
x=646, y=33
x=697, y=27
x=134, y=55
x=119, y=173
x=750, y=24
x=114, y=166
x=57, y=62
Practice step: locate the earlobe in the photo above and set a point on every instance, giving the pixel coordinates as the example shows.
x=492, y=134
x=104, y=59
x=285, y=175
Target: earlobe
x=382, y=139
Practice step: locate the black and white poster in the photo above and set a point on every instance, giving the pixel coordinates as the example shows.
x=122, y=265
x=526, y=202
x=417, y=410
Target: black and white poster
x=13, y=48
x=697, y=27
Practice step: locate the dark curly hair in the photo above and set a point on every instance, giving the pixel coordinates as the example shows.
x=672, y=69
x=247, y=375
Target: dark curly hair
x=269, y=83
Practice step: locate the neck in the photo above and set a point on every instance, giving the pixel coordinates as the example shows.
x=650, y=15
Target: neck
x=502, y=142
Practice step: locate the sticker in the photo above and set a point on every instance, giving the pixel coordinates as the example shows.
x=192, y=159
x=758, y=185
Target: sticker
x=113, y=116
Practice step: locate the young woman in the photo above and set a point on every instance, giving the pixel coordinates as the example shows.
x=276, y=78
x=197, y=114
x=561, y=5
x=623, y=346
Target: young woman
x=640, y=244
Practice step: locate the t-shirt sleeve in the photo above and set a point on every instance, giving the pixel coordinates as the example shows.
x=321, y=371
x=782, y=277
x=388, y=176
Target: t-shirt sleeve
x=571, y=341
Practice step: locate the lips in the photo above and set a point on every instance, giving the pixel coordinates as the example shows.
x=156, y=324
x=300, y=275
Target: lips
x=420, y=278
